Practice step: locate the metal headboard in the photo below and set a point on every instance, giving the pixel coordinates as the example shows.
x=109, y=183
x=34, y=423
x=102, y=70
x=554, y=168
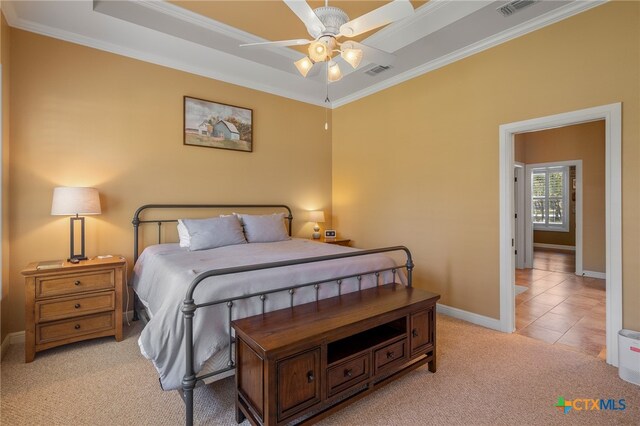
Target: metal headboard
x=137, y=221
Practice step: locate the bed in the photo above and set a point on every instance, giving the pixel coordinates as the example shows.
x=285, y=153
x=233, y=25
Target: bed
x=189, y=344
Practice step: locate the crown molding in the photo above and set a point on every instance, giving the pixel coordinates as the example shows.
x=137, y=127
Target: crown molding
x=255, y=75
x=257, y=84
x=534, y=24
x=9, y=12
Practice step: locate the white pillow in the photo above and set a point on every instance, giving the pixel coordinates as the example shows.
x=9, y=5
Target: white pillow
x=214, y=232
x=264, y=228
x=183, y=234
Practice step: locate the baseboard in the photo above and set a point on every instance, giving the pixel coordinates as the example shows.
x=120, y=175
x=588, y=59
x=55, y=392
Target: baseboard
x=471, y=317
x=555, y=246
x=592, y=274
x=11, y=339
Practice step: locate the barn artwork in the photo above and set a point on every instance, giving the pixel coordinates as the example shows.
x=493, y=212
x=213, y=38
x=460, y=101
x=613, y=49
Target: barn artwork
x=217, y=125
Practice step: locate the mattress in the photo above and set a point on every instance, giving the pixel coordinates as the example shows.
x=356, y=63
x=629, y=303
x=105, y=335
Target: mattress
x=164, y=272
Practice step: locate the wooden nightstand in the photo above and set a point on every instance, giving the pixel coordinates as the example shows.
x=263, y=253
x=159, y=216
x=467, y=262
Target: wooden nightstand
x=338, y=241
x=72, y=303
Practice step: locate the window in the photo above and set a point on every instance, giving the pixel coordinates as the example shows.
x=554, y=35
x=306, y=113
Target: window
x=550, y=198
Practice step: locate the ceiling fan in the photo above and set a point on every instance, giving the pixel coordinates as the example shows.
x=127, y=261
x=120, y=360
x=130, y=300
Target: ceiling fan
x=327, y=24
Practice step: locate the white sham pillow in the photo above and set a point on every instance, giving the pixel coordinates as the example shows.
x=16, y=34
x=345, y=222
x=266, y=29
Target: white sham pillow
x=214, y=232
x=264, y=228
x=183, y=234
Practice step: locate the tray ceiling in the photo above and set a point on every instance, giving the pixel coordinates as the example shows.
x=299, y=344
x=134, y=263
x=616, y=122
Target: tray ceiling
x=203, y=37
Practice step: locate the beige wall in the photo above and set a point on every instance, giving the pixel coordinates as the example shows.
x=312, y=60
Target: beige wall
x=80, y=116
x=6, y=69
x=584, y=142
x=417, y=164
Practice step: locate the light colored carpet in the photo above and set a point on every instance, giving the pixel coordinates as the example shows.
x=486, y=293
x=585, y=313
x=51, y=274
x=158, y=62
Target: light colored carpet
x=484, y=377
x=521, y=289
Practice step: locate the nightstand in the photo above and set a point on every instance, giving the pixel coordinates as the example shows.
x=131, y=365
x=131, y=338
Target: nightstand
x=72, y=302
x=339, y=241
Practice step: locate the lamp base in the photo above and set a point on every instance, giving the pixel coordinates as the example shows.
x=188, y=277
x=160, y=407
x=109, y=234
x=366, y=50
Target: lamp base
x=316, y=235
x=72, y=247
x=76, y=259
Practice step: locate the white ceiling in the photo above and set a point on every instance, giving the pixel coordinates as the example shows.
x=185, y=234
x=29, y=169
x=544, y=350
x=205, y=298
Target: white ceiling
x=439, y=32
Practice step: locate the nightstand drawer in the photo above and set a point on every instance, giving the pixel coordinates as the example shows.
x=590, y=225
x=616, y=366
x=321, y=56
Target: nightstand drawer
x=74, y=327
x=75, y=306
x=76, y=283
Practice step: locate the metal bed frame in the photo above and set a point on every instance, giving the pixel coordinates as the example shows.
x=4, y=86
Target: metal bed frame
x=189, y=306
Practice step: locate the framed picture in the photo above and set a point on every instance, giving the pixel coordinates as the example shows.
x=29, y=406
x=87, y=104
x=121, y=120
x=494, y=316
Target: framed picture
x=215, y=125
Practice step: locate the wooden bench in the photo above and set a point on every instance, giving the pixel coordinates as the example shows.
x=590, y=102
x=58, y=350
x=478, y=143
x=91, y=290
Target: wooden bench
x=303, y=363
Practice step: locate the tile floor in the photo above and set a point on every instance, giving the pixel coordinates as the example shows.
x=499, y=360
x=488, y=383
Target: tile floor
x=559, y=307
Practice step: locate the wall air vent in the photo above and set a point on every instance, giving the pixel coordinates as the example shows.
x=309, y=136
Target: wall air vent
x=377, y=70
x=514, y=6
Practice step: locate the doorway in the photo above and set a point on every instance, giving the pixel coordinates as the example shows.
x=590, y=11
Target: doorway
x=611, y=114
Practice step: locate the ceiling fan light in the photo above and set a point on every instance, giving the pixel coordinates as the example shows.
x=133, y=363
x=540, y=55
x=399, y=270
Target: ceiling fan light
x=318, y=51
x=352, y=56
x=304, y=65
x=334, y=73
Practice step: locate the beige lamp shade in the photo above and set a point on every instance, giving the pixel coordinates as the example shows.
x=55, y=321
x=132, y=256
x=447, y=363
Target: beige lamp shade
x=75, y=201
x=316, y=216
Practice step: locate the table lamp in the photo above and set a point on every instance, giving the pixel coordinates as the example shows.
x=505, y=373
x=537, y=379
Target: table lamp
x=75, y=201
x=316, y=216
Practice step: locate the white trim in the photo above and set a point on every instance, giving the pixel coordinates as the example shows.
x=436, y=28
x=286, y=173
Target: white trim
x=471, y=317
x=519, y=169
x=612, y=114
x=534, y=24
x=579, y=212
x=11, y=339
x=593, y=274
x=555, y=246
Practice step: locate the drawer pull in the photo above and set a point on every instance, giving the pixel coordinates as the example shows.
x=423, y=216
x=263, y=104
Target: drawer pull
x=348, y=372
x=414, y=332
x=77, y=306
x=77, y=282
x=390, y=355
x=77, y=327
x=310, y=376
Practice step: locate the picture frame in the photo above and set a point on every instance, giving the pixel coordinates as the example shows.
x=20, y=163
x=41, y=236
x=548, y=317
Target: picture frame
x=329, y=233
x=216, y=125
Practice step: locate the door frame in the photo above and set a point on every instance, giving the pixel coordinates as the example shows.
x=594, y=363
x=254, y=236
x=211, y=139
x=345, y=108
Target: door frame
x=612, y=115
x=529, y=221
x=521, y=241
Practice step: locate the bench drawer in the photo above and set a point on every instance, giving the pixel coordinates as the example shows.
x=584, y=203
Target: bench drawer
x=390, y=355
x=347, y=374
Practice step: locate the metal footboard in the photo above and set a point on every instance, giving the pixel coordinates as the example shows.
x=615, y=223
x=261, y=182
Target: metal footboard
x=189, y=305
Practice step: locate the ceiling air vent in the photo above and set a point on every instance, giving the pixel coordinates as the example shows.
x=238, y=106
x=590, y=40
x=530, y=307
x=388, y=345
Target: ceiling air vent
x=377, y=70
x=514, y=6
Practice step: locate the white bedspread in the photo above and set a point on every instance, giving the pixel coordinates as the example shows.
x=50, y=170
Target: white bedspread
x=163, y=273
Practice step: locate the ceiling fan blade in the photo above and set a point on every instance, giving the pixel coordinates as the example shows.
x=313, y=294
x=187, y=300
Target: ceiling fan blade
x=383, y=15
x=371, y=54
x=302, y=9
x=295, y=42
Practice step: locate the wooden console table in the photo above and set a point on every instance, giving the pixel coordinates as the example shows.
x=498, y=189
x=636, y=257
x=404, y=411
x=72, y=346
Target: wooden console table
x=306, y=362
